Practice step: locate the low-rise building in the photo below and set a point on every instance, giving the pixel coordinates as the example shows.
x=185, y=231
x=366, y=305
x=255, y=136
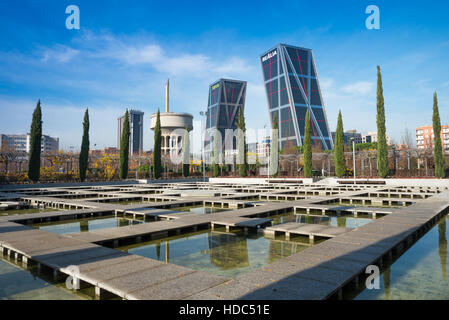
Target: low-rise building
x=348, y=135
x=425, y=137
x=372, y=137
x=22, y=142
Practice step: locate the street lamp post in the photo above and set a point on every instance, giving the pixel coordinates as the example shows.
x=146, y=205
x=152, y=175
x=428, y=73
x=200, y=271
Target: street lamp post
x=353, y=159
x=202, y=145
x=268, y=174
x=394, y=159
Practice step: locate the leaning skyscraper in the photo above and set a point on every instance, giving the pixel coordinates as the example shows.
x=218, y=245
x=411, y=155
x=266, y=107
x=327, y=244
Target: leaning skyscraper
x=292, y=87
x=226, y=98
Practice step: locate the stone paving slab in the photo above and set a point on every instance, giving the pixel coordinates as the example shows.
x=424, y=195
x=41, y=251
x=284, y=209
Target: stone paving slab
x=285, y=226
x=178, y=288
x=87, y=266
x=77, y=257
x=7, y=227
x=133, y=282
x=229, y=290
x=348, y=254
x=292, y=288
x=315, y=272
x=129, y=266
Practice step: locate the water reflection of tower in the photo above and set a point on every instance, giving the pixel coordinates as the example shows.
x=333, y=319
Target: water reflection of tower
x=442, y=246
x=228, y=251
x=166, y=251
x=84, y=226
x=279, y=249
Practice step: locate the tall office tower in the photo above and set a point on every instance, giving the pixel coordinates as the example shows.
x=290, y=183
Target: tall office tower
x=226, y=98
x=292, y=87
x=136, y=130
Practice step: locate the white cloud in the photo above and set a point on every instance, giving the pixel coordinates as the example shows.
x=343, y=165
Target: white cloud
x=146, y=54
x=360, y=88
x=59, y=53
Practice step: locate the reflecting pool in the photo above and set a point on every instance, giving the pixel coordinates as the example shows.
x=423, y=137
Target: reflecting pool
x=85, y=225
x=19, y=284
x=24, y=211
x=420, y=273
x=345, y=222
x=220, y=253
x=200, y=209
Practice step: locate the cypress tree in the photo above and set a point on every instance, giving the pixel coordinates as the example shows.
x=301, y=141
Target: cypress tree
x=84, y=153
x=124, y=148
x=440, y=165
x=307, y=147
x=339, y=149
x=157, y=166
x=186, y=154
x=274, y=149
x=215, y=166
x=243, y=167
x=382, y=148
x=34, y=161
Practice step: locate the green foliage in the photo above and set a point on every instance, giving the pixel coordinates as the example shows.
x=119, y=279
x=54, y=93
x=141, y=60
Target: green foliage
x=365, y=146
x=339, y=148
x=124, y=148
x=243, y=167
x=440, y=165
x=157, y=161
x=84, y=153
x=307, y=147
x=145, y=168
x=186, y=154
x=382, y=148
x=34, y=162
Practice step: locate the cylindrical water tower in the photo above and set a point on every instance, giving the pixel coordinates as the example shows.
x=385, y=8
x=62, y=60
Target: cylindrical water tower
x=170, y=121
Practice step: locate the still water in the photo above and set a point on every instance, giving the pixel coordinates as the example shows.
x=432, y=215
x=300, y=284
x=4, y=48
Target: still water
x=18, y=284
x=25, y=211
x=220, y=253
x=85, y=225
x=420, y=273
x=345, y=222
x=199, y=209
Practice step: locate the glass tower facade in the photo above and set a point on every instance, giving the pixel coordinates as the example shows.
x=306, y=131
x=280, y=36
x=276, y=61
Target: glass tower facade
x=292, y=87
x=136, y=131
x=226, y=98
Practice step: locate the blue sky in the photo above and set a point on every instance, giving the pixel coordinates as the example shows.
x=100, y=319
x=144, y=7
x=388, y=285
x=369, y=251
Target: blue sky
x=125, y=51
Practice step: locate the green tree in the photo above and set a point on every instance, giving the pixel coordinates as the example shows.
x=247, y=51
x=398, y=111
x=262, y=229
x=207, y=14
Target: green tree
x=34, y=161
x=243, y=166
x=157, y=161
x=274, y=148
x=124, y=148
x=307, y=147
x=382, y=148
x=339, y=149
x=216, y=155
x=186, y=154
x=440, y=165
x=84, y=153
